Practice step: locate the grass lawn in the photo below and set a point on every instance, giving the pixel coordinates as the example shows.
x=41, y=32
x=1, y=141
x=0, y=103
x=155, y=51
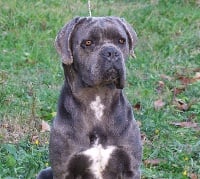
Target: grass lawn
x=163, y=82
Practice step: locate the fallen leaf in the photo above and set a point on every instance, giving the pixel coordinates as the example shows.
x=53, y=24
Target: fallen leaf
x=143, y=138
x=45, y=127
x=184, y=80
x=178, y=90
x=153, y=162
x=180, y=104
x=137, y=106
x=197, y=76
x=196, y=69
x=158, y=104
x=165, y=77
x=160, y=86
x=5, y=125
x=34, y=139
x=186, y=124
x=188, y=80
x=193, y=176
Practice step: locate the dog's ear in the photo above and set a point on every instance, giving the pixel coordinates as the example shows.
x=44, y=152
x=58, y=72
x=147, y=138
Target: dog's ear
x=132, y=36
x=63, y=41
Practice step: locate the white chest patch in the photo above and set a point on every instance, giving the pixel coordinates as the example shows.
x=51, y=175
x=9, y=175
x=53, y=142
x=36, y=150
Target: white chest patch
x=100, y=158
x=97, y=107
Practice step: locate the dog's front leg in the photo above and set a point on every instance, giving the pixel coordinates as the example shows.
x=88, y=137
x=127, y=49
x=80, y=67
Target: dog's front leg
x=45, y=174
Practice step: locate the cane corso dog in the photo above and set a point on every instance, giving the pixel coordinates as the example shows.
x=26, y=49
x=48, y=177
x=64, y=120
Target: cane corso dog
x=94, y=135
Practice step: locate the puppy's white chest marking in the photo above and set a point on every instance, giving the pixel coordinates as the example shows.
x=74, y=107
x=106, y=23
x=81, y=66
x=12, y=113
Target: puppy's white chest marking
x=100, y=158
x=97, y=107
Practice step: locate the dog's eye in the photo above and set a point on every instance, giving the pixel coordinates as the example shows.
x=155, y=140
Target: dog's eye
x=88, y=42
x=122, y=41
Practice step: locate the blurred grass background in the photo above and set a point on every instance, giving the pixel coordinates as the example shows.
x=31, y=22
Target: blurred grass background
x=168, y=59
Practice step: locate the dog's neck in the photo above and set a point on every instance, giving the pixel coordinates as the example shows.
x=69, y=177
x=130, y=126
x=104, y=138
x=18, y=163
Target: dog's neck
x=84, y=93
x=96, y=102
x=103, y=93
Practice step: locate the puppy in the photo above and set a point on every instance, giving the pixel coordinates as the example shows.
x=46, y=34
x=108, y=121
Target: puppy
x=94, y=135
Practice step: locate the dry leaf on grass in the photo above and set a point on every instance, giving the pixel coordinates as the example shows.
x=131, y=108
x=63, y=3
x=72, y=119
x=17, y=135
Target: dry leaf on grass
x=197, y=76
x=197, y=69
x=165, y=77
x=34, y=138
x=143, y=138
x=137, y=106
x=188, y=80
x=160, y=87
x=178, y=90
x=180, y=104
x=45, y=127
x=158, y=104
x=183, y=106
x=153, y=162
x=193, y=176
x=161, y=84
x=185, y=80
x=189, y=124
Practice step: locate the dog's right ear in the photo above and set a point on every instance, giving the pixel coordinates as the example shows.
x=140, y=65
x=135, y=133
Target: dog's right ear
x=63, y=39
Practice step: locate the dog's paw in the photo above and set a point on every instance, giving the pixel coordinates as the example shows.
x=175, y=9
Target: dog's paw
x=45, y=174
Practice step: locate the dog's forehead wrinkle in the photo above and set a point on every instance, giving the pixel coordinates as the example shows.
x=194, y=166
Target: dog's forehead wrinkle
x=106, y=34
x=102, y=27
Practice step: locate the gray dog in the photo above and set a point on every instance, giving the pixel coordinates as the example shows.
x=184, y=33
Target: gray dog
x=94, y=135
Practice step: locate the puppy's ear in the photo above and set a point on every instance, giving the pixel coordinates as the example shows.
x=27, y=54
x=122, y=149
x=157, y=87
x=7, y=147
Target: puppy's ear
x=63, y=41
x=132, y=36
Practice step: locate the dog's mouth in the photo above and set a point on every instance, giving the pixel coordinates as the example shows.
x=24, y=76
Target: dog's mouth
x=115, y=77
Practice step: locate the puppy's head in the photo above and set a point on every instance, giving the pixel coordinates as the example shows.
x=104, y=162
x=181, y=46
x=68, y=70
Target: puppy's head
x=97, y=48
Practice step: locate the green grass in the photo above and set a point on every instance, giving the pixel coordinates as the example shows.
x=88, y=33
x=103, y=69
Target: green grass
x=31, y=77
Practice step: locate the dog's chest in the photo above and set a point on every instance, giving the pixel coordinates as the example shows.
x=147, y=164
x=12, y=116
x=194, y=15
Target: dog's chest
x=96, y=108
x=99, y=158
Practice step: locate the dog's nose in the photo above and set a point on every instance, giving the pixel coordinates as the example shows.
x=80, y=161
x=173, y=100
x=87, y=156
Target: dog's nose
x=110, y=53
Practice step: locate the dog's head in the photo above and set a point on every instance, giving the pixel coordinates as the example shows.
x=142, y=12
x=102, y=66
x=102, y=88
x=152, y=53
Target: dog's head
x=96, y=48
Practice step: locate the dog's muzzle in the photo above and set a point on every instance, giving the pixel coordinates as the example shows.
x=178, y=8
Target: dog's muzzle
x=110, y=54
x=113, y=66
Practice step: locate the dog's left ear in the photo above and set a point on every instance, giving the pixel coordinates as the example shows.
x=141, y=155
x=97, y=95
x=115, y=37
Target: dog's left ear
x=63, y=40
x=132, y=36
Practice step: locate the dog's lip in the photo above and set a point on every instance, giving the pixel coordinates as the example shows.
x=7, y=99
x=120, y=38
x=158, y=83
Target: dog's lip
x=111, y=74
x=118, y=82
x=114, y=76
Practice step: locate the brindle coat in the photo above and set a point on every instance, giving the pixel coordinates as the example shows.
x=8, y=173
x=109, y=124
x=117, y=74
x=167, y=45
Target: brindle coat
x=93, y=113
